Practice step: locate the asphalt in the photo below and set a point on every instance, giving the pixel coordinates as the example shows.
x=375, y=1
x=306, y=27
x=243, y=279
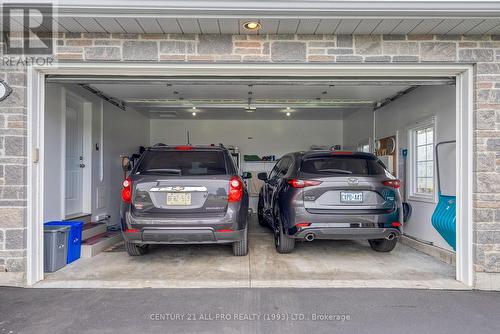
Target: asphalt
x=271, y=310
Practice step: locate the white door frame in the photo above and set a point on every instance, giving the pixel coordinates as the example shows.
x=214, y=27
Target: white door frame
x=87, y=151
x=464, y=129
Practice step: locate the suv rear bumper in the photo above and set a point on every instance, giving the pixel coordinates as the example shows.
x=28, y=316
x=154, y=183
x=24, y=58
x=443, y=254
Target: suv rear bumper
x=212, y=230
x=172, y=235
x=347, y=233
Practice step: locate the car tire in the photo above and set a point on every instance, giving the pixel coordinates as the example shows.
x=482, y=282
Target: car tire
x=284, y=244
x=136, y=249
x=260, y=213
x=383, y=245
x=240, y=248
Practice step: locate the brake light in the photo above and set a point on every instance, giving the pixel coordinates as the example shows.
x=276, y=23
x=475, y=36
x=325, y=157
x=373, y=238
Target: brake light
x=303, y=183
x=184, y=148
x=303, y=224
x=342, y=152
x=127, y=190
x=235, y=189
x=132, y=230
x=392, y=183
x=396, y=224
x=225, y=230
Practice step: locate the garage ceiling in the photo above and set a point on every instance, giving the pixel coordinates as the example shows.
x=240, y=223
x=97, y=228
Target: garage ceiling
x=231, y=101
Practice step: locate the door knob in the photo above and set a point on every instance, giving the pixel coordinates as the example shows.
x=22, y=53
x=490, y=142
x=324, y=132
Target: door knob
x=82, y=165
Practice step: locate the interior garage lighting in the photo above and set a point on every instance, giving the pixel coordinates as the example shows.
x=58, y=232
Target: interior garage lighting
x=251, y=25
x=194, y=108
x=194, y=114
x=288, y=114
x=250, y=109
x=287, y=108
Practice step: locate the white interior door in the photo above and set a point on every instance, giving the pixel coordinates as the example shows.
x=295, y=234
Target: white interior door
x=74, y=158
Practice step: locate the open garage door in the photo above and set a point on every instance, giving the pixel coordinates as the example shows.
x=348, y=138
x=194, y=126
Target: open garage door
x=259, y=120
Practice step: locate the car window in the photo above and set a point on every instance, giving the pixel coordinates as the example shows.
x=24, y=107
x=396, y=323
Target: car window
x=283, y=170
x=183, y=163
x=343, y=165
x=275, y=171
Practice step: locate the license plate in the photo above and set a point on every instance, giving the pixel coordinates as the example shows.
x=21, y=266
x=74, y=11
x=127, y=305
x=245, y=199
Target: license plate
x=351, y=197
x=178, y=198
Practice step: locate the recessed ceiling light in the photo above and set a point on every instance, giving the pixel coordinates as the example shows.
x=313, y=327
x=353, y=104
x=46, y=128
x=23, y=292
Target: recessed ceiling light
x=194, y=114
x=251, y=25
x=287, y=108
x=288, y=114
x=194, y=108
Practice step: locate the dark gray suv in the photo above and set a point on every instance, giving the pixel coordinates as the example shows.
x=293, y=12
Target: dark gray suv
x=331, y=195
x=184, y=195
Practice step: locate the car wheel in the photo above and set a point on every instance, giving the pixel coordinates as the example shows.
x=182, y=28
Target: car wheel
x=136, y=249
x=284, y=244
x=383, y=245
x=240, y=248
x=260, y=212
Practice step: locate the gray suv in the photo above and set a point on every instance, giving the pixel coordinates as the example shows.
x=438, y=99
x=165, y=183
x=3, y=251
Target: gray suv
x=184, y=195
x=331, y=195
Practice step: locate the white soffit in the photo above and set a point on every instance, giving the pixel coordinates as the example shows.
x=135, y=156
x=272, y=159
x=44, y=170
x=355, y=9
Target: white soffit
x=280, y=16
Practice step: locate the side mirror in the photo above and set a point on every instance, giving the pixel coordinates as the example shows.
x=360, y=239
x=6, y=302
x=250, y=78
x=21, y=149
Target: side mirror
x=262, y=176
x=246, y=175
x=126, y=166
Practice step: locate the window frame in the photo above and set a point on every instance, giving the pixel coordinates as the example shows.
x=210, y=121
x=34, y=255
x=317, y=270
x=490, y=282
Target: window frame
x=413, y=194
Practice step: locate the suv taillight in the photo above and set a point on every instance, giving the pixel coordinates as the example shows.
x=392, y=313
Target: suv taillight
x=392, y=183
x=303, y=183
x=127, y=190
x=235, y=189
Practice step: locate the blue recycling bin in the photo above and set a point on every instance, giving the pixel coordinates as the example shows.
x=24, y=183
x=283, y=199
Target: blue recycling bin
x=74, y=238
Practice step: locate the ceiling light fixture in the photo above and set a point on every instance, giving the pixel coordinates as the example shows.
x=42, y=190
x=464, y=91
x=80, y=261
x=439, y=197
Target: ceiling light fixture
x=252, y=25
x=288, y=114
x=287, y=108
x=194, y=108
x=194, y=114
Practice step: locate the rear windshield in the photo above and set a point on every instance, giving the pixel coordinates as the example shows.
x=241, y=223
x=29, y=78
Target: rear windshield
x=183, y=163
x=343, y=165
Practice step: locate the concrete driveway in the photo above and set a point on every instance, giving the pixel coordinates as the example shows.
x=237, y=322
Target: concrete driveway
x=312, y=264
x=271, y=310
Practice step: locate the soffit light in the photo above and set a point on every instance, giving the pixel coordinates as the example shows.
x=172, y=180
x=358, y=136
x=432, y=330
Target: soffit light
x=252, y=25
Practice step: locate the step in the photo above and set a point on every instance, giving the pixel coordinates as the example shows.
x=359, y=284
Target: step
x=95, y=245
x=80, y=218
x=92, y=229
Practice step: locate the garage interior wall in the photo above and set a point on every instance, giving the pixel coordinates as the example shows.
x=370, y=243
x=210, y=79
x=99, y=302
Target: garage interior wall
x=397, y=118
x=122, y=133
x=260, y=137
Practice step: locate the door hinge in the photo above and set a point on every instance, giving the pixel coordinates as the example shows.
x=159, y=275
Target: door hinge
x=36, y=155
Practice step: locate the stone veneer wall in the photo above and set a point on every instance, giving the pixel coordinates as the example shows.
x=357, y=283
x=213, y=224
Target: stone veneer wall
x=484, y=51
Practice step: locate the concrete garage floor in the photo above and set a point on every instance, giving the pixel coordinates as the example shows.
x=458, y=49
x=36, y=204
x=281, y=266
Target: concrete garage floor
x=312, y=264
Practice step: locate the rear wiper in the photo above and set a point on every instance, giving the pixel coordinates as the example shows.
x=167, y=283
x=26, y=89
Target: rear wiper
x=336, y=171
x=163, y=170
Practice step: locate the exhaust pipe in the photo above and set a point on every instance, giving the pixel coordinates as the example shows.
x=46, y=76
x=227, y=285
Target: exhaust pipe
x=390, y=236
x=310, y=237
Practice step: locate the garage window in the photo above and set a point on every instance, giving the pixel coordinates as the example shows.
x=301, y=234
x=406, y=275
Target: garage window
x=422, y=160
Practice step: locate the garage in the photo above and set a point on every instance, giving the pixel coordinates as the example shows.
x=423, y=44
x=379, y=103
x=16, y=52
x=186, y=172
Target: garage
x=97, y=115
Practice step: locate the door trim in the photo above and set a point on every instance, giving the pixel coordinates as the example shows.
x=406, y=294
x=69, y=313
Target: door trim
x=87, y=153
x=464, y=110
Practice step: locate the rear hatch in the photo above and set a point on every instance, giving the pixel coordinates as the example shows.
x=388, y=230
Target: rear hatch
x=350, y=184
x=189, y=183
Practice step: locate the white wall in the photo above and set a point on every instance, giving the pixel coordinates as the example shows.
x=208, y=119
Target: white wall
x=267, y=136
x=122, y=133
x=358, y=126
x=400, y=115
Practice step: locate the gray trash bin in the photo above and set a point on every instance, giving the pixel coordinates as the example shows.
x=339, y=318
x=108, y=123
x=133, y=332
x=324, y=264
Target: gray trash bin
x=55, y=241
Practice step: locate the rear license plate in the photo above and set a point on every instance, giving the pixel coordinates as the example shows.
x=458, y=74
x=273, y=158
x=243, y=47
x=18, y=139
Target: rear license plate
x=178, y=198
x=351, y=197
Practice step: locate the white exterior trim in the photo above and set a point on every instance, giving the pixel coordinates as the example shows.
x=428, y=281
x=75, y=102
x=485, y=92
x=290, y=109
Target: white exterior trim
x=464, y=127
